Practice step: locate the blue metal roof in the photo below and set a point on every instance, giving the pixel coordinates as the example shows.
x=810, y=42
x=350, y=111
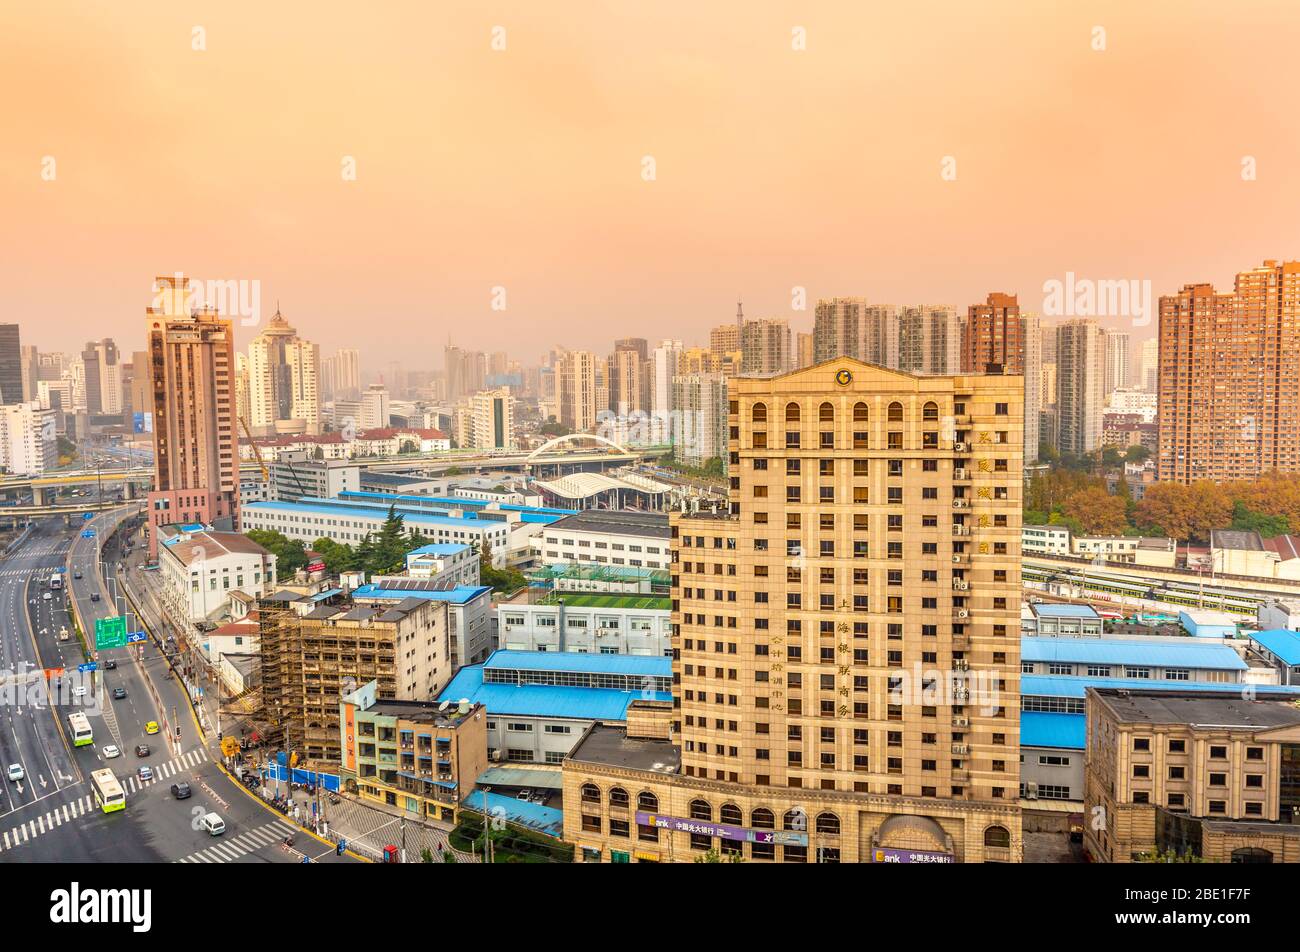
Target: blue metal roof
x=1065, y=611
x=440, y=548
x=328, y=593
x=655, y=666
x=1039, y=729
x=543, y=700
x=1138, y=653
x=460, y=595
x=1282, y=642
x=546, y=820
x=1060, y=685
x=410, y=516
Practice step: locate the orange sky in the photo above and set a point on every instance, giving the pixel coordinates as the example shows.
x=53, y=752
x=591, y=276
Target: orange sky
x=522, y=168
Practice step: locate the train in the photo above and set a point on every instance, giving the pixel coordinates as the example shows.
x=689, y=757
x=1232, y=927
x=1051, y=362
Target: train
x=1183, y=594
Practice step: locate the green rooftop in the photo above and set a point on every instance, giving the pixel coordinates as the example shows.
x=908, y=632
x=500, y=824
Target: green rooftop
x=590, y=600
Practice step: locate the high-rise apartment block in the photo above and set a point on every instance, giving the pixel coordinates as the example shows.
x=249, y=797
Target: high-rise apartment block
x=1080, y=385
x=868, y=711
x=28, y=440
x=191, y=372
x=701, y=412
x=766, y=347
x=11, y=365
x=283, y=381
x=1229, y=380
x=575, y=390
x=992, y=336
x=491, y=420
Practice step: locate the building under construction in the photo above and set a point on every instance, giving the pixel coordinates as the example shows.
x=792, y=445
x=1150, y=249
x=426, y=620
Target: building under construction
x=317, y=648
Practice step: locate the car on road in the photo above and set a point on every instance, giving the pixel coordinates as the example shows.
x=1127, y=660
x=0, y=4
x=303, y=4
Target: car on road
x=16, y=772
x=213, y=824
x=110, y=665
x=94, y=596
x=145, y=772
x=76, y=575
x=110, y=751
x=119, y=693
x=79, y=691
x=151, y=727
x=47, y=596
x=182, y=791
x=142, y=750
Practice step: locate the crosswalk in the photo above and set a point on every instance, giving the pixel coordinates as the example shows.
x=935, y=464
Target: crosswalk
x=66, y=813
x=229, y=848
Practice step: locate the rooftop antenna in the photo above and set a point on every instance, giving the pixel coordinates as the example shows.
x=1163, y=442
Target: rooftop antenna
x=740, y=313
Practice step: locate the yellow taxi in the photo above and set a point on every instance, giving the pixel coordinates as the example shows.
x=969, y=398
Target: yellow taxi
x=151, y=727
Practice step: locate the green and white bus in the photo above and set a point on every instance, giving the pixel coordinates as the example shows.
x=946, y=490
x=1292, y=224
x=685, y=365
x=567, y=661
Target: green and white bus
x=109, y=795
x=79, y=724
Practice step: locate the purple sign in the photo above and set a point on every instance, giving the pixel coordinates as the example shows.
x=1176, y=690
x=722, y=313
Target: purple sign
x=880, y=855
x=680, y=825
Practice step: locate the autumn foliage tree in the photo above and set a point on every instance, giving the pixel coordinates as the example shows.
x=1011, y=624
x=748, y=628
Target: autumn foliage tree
x=1096, y=511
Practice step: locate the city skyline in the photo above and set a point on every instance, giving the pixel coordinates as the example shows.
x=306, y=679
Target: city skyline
x=545, y=192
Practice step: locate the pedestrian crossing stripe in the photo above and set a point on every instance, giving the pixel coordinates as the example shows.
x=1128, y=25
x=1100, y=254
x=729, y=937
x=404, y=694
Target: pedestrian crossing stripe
x=234, y=847
x=58, y=815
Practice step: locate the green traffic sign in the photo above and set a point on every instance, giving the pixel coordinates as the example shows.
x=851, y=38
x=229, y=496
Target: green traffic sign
x=110, y=632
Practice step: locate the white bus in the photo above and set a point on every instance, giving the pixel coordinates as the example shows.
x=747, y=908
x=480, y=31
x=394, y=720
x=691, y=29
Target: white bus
x=109, y=795
x=56, y=581
x=79, y=724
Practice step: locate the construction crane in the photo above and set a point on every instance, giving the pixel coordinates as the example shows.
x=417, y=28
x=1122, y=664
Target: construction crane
x=257, y=454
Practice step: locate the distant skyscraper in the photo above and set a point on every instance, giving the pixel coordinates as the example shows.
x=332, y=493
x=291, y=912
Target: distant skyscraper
x=1080, y=385
x=929, y=340
x=850, y=327
x=724, y=339
x=466, y=372
x=283, y=380
x=1117, y=360
x=766, y=347
x=11, y=365
x=663, y=368
x=576, y=390
x=374, y=407
x=803, y=346
x=626, y=387
x=1149, y=377
x=103, y=377
x=196, y=446
x=992, y=336
x=492, y=420
x=1032, y=338
x=700, y=401
x=1229, y=383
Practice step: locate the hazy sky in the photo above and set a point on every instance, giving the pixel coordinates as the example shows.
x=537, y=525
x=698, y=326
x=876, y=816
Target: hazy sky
x=522, y=168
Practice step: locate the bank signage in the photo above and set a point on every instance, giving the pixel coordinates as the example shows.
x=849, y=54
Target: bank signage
x=881, y=855
x=680, y=825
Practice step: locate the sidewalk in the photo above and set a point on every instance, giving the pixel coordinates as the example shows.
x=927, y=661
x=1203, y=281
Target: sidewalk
x=369, y=828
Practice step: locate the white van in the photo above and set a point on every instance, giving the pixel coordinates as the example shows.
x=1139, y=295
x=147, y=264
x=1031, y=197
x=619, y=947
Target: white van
x=214, y=824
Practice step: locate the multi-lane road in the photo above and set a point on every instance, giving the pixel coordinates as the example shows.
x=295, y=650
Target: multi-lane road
x=50, y=815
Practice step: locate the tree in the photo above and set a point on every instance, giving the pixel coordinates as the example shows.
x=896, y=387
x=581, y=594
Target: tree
x=1097, y=511
x=338, y=556
x=713, y=856
x=290, y=554
x=1111, y=456
x=1247, y=519
x=1137, y=453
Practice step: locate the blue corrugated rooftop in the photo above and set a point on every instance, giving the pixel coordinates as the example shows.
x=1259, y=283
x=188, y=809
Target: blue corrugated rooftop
x=1138, y=653
x=1065, y=611
x=409, y=516
x=544, y=700
x=460, y=595
x=655, y=666
x=440, y=548
x=1060, y=685
x=546, y=820
x=1282, y=642
x=1040, y=729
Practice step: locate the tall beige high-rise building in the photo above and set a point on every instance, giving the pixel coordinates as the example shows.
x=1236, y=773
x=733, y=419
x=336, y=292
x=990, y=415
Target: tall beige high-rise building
x=283, y=381
x=575, y=390
x=1080, y=385
x=1229, y=382
x=1148, y=377
x=340, y=375
x=869, y=709
x=1118, y=361
x=626, y=386
x=492, y=416
x=196, y=445
x=850, y=327
x=700, y=401
x=804, y=347
x=766, y=346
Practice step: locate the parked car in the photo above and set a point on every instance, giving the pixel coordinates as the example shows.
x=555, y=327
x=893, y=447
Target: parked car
x=182, y=791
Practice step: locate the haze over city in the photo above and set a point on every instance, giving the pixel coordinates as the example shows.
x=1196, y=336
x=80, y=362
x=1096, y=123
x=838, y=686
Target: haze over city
x=775, y=167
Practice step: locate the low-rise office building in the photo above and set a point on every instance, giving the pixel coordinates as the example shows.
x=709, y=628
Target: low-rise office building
x=1154, y=658
x=1280, y=649
x=421, y=757
x=469, y=611
x=1130, y=550
x=1045, y=540
x=604, y=537
x=297, y=474
x=586, y=622
x=200, y=570
x=1065, y=621
x=1215, y=775
x=1247, y=553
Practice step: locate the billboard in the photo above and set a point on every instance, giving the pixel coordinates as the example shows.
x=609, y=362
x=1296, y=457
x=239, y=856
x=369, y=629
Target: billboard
x=883, y=855
x=681, y=825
